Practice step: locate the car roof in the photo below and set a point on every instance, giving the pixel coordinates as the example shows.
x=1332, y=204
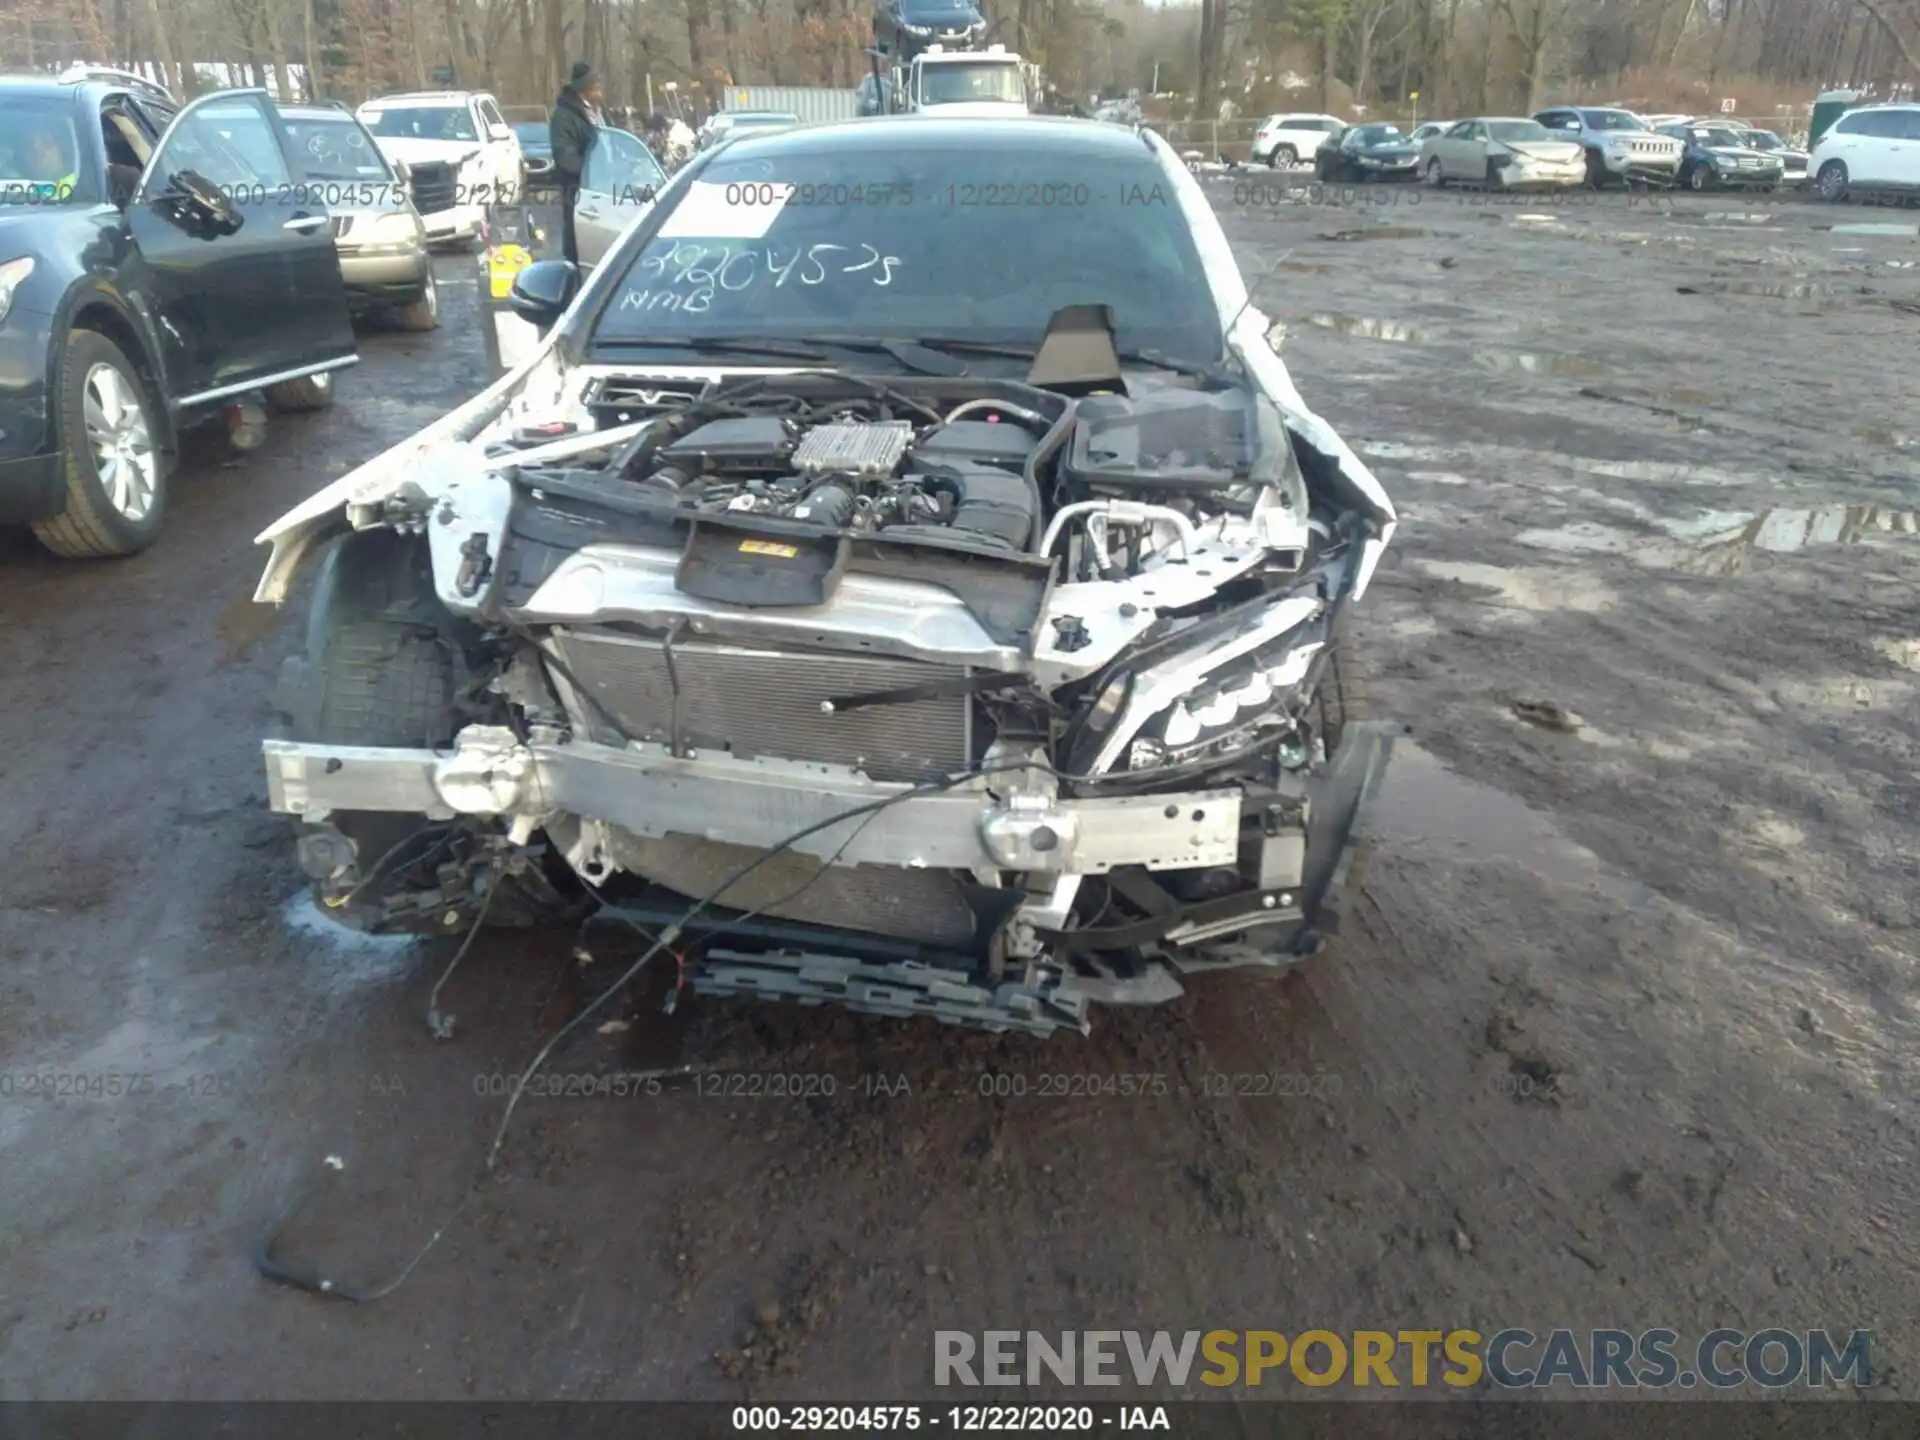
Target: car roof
x=423, y=97
x=1054, y=134
x=49, y=85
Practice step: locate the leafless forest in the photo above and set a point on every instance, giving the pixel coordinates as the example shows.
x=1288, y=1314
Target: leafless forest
x=1457, y=55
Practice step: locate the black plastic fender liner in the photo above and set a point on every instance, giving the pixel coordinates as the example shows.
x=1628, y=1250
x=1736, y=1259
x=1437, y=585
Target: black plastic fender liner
x=1340, y=822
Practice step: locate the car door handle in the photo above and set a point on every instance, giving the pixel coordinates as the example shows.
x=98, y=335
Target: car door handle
x=304, y=223
x=587, y=212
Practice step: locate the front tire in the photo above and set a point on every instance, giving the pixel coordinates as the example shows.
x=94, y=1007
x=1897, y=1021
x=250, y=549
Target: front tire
x=1699, y=179
x=382, y=665
x=116, y=481
x=297, y=397
x=1435, y=176
x=1284, y=155
x=424, y=313
x=1832, y=181
x=1596, y=171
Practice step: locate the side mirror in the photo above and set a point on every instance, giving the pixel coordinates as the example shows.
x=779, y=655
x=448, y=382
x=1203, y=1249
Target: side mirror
x=543, y=291
x=499, y=132
x=196, y=203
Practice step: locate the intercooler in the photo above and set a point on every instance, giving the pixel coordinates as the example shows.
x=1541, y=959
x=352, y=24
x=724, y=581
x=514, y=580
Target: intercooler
x=757, y=703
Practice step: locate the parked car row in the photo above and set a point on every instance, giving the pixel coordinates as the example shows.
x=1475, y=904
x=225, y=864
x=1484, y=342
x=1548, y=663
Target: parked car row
x=1871, y=150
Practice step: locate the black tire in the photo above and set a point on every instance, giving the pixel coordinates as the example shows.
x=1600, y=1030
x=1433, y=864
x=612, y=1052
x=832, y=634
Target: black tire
x=1434, y=175
x=1832, y=182
x=381, y=667
x=1596, y=171
x=423, y=314
x=309, y=392
x=1284, y=155
x=1699, y=179
x=90, y=526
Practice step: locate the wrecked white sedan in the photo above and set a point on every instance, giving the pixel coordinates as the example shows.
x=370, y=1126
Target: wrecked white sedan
x=904, y=576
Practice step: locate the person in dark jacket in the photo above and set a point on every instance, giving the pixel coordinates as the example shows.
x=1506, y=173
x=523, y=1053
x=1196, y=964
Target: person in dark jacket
x=572, y=130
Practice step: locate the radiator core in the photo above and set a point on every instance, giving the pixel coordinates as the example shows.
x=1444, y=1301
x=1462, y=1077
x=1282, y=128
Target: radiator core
x=767, y=703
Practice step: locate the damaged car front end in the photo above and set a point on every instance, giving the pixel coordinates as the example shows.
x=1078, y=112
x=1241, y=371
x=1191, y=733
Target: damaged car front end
x=952, y=643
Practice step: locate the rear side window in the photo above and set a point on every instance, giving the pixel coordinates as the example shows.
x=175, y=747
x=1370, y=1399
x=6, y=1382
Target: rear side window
x=1878, y=124
x=1910, y=124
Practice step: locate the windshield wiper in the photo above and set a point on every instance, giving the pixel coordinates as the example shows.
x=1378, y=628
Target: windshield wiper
x=1159, y=359
x=914, y=357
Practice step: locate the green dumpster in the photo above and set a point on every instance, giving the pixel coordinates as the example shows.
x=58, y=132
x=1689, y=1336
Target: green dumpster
x=1829, y=106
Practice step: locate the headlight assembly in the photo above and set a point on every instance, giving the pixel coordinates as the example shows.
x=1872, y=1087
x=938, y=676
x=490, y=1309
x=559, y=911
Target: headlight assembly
x=1216, y=696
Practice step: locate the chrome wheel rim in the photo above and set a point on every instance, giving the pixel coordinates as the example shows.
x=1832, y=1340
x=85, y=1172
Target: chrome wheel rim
x=122, y=446
x=432, y=297
x=323, y=382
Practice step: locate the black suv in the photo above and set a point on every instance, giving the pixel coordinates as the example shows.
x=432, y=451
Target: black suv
x=903, y=28
x=155, y=263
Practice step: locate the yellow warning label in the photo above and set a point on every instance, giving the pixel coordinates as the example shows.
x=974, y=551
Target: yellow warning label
x=768, y=547
x=504, y=262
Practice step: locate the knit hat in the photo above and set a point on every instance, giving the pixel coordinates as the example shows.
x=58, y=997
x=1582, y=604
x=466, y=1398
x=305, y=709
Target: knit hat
x=582, y=76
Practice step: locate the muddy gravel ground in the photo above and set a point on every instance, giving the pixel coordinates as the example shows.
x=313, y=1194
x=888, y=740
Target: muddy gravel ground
x=1622, y=1032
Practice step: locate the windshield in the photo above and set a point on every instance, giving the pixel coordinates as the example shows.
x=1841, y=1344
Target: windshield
x=1377, y=134
x=335, y=150
x=1765, y=140
x=1716, y=135
x=944, y=9
x=920, y=245
x=1612, y=120
x=421, y=122
x=533, y=135
x=40, y=157
x=1515, y=131
x=961, y=84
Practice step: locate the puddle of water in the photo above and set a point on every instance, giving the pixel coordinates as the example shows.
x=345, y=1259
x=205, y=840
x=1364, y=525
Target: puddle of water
x=1539, y=363
x=1368, y=328
x=1380, y=232
x=1906, y=231
x=1777, y=290
x=1394, y=450
x=1723, y=542
x=1427, y=806
x=1523, y=589
x=1901, y=652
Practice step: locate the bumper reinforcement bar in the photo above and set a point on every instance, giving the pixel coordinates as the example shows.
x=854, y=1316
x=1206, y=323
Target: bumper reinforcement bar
x=760, y=803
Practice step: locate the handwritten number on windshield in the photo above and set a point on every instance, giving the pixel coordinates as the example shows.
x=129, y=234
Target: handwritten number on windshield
x=720, y=267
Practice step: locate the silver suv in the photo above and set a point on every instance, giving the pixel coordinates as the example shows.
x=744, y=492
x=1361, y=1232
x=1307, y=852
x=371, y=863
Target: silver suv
x=1619, y=144
x=380, y=237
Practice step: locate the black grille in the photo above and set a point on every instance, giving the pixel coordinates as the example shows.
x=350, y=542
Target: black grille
x=435, y=185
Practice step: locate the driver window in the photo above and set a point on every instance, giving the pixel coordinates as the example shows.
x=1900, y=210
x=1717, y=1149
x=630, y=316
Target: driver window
x=229, y=143
x=128, y=151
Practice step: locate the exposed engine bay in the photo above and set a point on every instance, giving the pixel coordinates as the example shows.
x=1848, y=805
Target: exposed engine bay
x=954, y=697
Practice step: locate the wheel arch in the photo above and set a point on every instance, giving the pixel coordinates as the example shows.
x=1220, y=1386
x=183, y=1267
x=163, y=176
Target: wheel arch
x=101, y=312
